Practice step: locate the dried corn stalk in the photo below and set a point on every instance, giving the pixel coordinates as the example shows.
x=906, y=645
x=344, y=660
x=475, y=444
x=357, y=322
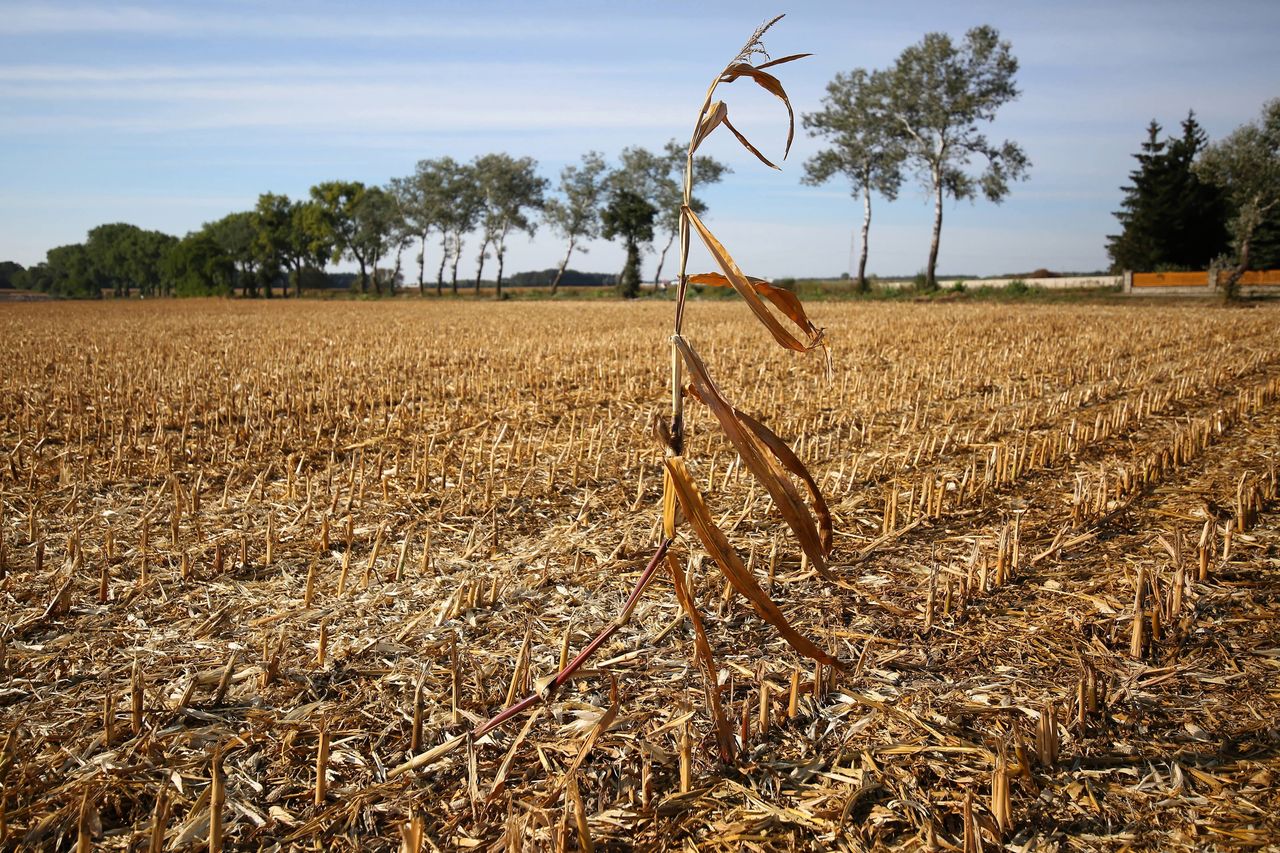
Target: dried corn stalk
x=767, y=456
x=764, y=453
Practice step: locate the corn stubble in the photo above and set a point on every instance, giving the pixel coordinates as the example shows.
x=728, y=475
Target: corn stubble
x=251, y=575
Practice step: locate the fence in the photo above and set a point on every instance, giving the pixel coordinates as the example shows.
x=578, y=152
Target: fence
x=1199, y=283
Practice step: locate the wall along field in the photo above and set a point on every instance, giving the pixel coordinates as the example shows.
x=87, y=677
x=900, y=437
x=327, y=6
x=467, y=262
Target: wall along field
x=257, y=556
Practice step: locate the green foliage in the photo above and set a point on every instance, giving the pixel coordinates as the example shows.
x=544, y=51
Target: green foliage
x=1017, y=287
x=337, y=202
x=629, y=217
x=569, y=278
x=199, y=266
x=1169, y=217
x=362, y=224
x=1264, y=247
x=460, y=215
x=958, y=287
x=938, y=93
x=658, y=178
x=127, y=257
x=236, y=235
x=427, y=206
x=9, y=274
x=380, y=231
x=1246, y=166
x=66, y=271
x=289, y=235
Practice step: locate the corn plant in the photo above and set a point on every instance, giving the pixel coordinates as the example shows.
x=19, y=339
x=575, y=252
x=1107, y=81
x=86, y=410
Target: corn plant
x=762, y=451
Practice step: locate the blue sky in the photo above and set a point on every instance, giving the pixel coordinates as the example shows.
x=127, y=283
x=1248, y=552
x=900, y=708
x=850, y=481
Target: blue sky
x=168, y=115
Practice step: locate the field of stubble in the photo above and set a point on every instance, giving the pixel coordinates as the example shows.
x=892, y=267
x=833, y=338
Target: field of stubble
x=254, y=558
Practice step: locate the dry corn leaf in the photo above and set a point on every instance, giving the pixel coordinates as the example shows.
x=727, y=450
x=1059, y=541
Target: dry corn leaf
x=763, y=461
x=791, y=58
x=792, y=463
x=784, y=300
x=741, y=284
x=771, y=85
x=706, y=660
x=715, y=114
x=747, y=144
x=601, y=726
x=695, y=510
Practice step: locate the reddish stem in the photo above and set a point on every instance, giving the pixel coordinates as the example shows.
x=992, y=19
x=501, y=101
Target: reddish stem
x=574, y=665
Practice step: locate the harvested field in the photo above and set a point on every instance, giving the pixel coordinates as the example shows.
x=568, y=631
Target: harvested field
x=248, y=548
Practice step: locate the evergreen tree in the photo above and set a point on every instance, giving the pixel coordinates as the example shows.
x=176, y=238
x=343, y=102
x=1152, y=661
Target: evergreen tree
x=1198, y=210
x=1169, y=217
x=1135, y=246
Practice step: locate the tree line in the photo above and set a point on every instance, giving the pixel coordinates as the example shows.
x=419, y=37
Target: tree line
x=923, y=114
x=1191, y=204
x=444, y=213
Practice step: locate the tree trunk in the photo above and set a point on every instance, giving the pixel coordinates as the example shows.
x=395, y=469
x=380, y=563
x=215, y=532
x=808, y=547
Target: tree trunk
x=1231, y=287
x=457, y=256
x=364, y=277
x=422, y=267
x=866, y=231
x=501, y=259
x=629, y=281
x=395, y=273
x=662, y=257
x=250, y=282
x=555, y=285
x=930, y=277
x=480, y=265
x=444, y=257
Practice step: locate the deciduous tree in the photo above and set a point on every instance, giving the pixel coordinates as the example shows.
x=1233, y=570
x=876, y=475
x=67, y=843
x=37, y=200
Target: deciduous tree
x=510, y=190
x=199, y=266
x=126, y=257
x=1246, y=165
x=339, y=201
x=292, y=235
x=864, y=145
x=462, y=211
x=235, y=234
x=425, y=203
x=575, y=215
x=659, y=180
x=938, y=93
x=629, y=217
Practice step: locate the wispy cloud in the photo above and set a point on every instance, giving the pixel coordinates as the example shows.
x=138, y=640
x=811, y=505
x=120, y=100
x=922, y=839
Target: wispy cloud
x=257, y=21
